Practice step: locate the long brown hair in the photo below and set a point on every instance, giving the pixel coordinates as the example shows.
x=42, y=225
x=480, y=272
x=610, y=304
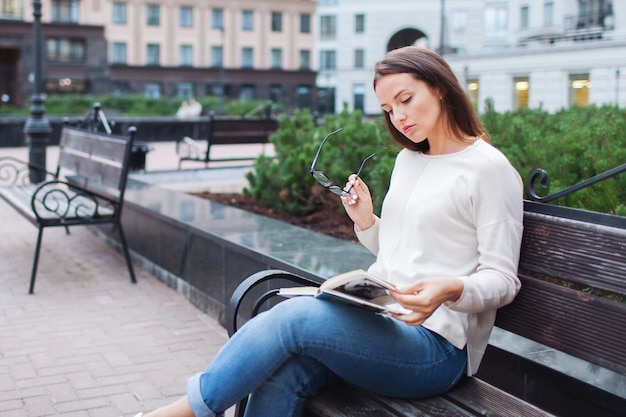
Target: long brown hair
x=429, y=67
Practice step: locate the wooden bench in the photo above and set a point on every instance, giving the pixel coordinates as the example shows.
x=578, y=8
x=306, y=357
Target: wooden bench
x=226, y=131
x=87, y=187
x=571, y=311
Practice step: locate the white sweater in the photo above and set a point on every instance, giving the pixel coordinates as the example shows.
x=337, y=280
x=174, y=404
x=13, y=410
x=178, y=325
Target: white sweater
x=454, y=215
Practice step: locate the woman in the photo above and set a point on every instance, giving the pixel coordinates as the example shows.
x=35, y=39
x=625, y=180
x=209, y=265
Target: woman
x=449, y=235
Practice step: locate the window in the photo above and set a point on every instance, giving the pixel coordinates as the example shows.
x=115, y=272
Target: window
x=153, y=54
x=65, y=49
x=247, y=20
x=217, y=90
x=520, y=93
x=217, y=56
x=459, y=20
x=152, y=90
x=247, y=92
x=186, y=55
x=277, y=58
x=496, y=22
x=548, y=13
x=328, y=60
x=62, y=10
x=328, y=27
x=65, y=85
x=305, y=59
x=305, y=23
x=186, y=17
x=277, y=22
x=120, y=87
x=579, y=86
x=276, y=94
x=184, y=90
x=303, y=94
x=10, y=9
x=119, y=13
x=524, y=16
x=153, y=15
x=119, y=52
x=247, y=57
x=217, y=19
x=359, y=23
x=473, y=90
x=359, y=58
x=358, y=96
x=326, y=100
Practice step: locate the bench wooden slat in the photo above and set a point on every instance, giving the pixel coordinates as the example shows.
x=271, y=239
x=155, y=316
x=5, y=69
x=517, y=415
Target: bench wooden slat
x=471, y=397
x=578, y=252
x=111, y=148
x=580, y=324
x=100, y=172
x=486, y=400
x=347, y=401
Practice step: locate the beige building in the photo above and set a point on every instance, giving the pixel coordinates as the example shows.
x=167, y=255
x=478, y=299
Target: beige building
x=186, y=48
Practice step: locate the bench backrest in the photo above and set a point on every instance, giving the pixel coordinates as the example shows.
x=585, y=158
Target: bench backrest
x=240, y=131
x=573, y=295
x=96, y=159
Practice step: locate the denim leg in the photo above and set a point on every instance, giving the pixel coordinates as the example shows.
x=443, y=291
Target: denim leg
x=284, y=354
x=292, y=383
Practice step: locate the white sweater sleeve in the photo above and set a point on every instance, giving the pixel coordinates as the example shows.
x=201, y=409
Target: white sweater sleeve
x=497, y=212
x=369, y=236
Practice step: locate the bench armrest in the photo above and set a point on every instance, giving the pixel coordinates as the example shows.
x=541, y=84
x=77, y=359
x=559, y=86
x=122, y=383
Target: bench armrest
x=190, y=148
x=14, y=171
x=252, y=282
x=63, y=199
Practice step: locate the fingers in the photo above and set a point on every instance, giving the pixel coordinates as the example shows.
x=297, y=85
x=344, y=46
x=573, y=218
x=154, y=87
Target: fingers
x=351, y=185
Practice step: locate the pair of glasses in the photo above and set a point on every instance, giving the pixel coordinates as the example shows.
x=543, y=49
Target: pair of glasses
x=324, y=180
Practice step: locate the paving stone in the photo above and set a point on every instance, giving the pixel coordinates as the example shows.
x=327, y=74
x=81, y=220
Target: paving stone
x=88, y=342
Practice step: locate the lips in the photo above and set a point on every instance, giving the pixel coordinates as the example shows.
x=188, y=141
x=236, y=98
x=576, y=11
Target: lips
x=406, y=129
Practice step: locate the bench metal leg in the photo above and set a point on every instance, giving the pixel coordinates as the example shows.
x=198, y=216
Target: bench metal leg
x=127, y=254
x=33, y=273
x=240, y=409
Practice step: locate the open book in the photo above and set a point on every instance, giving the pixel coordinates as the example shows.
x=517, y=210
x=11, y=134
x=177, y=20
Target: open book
x=358, y=288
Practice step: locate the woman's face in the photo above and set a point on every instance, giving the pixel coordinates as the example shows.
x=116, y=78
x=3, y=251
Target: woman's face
x=413, y=107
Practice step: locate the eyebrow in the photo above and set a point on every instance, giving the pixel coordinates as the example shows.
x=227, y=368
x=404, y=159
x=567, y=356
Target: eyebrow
x=394, y=97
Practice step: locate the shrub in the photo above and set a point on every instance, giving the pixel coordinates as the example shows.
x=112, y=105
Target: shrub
x=286, y=183
x=571, y=145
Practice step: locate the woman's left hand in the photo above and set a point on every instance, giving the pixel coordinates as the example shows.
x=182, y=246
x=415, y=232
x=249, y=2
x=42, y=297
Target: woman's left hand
x=425, y=296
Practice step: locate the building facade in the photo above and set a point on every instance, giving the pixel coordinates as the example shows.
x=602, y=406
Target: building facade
x=188, y=48
x=517, y=53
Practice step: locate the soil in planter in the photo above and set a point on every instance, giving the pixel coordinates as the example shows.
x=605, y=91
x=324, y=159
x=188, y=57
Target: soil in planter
x=327, y=217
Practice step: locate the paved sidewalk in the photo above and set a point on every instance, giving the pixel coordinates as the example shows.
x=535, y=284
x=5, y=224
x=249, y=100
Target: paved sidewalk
x=88, y=342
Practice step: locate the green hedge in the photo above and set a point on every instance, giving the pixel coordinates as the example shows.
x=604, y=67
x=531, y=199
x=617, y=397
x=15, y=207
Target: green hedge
x=571, y=145
x=132, y=105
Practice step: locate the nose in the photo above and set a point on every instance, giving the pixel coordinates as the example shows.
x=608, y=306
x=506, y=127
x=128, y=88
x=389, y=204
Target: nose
x=399, y=115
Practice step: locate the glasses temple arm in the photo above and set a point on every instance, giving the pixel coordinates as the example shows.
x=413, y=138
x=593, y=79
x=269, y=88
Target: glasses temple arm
x=320, y=148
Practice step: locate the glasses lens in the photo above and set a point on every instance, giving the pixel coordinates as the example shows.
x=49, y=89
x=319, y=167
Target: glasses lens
x=339, y=191
x=322, y=178
x=328, y=183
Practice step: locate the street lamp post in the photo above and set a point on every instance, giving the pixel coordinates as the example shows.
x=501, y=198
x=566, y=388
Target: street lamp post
x=37, y=127
x=442, y=28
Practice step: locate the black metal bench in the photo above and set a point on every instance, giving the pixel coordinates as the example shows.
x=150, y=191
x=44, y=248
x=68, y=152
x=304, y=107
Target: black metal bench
x=87, y=187
x=226, y=131
x=572, y=304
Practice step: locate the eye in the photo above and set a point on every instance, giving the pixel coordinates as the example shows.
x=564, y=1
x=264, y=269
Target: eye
x=406, y=100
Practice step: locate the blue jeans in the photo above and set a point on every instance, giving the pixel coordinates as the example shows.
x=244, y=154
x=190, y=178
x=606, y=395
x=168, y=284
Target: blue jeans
x=284, y=355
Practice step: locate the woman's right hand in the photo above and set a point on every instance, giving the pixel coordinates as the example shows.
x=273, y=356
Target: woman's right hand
x=359, y=204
